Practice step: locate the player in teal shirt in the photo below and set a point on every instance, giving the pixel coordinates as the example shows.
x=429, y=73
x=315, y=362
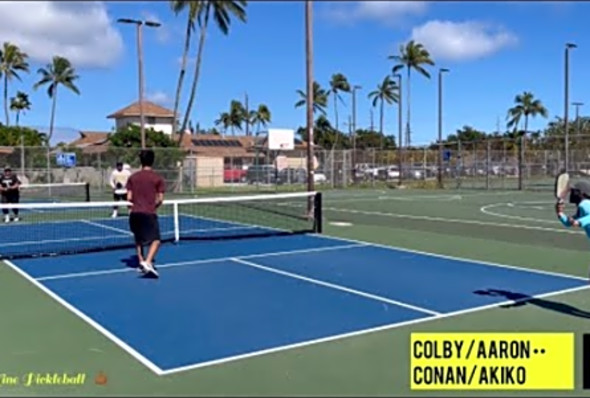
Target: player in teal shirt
x=579, y=196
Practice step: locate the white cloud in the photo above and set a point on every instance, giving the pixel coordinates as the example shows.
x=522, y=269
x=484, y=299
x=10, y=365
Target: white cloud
x=80, y=31
x=388, y=12
x=461, y=41
x=159, y=97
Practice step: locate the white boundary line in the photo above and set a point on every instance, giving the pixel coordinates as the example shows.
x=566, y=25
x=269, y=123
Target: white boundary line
x=458, y=259
x=485, y=210
x=143, y=360
x=334, y=286
x=362, y=332
x=449, y=220
x=204, y=261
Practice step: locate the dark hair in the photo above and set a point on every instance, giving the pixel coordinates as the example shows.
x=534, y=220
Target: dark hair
x=146, y=157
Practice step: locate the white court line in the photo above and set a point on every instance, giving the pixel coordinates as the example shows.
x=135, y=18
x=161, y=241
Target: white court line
x=204, y=261
x=38, y=242
x=363, y=332
x=143, y=360
x=106, y=227
x=458, y=259
x=485, y=210
x=449, y=220
x=334, y=286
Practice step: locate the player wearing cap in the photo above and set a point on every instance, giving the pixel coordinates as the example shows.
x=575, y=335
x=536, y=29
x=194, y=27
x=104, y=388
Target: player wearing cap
x=580, y=197
x=145, y=191
x=118, y=181
x=9, y=189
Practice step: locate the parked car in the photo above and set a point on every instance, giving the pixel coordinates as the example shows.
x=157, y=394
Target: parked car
x=234, y=175
x=388, y=173
x=292, y=175
x=265, y=174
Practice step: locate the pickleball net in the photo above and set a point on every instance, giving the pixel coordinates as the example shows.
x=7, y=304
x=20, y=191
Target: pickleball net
x=53, y=229
x=55, y=192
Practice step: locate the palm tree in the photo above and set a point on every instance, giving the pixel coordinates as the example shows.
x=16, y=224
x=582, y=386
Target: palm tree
x=260, y=116
x=221, y=11
x=338, y=84
x=388, y=92
x=411, y=56
x=224, y=121
x=59, y=72
x=320, y=99
x=12, y=61
x=526, y=105
x=19, y=104
x=193, y=11
x=237, y=116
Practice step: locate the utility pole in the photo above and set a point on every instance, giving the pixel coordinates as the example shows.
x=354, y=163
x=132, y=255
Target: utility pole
x=247, y=115
x=440, y=143
x=399, y=128
x=353, y=129
x=139, y=24
x=309, y=102
x=568, y=47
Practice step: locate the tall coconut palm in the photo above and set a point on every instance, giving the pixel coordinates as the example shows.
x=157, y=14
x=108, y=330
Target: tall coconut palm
x=19, y=104
x=260, y=117
x=388, y=92
x=320, y=99
x=224, y=121
x=339, y=83
x=59, y=72
x=237, y=116
x=526, y=105
x=12, y=61
x=411, y=56
x=193, y=8
x=222, y=12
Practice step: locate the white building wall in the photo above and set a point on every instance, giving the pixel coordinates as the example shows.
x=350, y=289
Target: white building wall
x=159, y=124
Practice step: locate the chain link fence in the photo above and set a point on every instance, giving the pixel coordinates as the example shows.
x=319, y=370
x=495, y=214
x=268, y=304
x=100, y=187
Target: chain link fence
x=502, y=163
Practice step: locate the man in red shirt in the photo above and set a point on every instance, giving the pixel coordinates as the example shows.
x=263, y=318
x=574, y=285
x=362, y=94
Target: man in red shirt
x=145, y=191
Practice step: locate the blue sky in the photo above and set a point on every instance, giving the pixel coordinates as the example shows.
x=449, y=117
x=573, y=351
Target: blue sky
x=495, y=50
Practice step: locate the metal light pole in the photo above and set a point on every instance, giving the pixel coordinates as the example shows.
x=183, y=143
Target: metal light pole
x=568, y=47
x=440, y=144
x=139, y=24
x=399, y=127
x=577, y=105
x=353, y=129
x=309, y=101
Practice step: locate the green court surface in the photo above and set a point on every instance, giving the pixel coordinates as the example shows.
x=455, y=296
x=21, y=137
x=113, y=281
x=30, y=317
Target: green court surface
x=506, y=227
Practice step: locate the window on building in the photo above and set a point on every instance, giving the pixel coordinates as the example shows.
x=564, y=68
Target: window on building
x=151, y=120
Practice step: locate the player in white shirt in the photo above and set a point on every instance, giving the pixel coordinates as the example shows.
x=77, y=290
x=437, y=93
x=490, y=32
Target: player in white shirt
x=119, y=178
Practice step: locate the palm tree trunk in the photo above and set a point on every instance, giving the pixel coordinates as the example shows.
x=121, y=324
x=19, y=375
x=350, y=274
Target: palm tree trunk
x=51, y=122
x=17, y=117
x=336, y=110
x=408, y=124
x=196, y=75
x=6, y=99
x=521, y=153
x=381, y=123
x=187, y=43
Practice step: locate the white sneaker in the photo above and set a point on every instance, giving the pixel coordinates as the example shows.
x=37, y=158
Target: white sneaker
x=15, y=219
x=149, y=269
x=114, y=214
x=7, y=219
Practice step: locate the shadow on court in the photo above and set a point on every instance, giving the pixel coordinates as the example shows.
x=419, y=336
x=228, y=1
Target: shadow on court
x=523, y=299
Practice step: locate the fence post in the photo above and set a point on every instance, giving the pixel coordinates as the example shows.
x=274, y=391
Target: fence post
x=488, y=163
x=521, y=161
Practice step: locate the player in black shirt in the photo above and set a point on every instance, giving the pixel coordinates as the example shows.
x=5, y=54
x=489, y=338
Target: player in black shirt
x=9, y=189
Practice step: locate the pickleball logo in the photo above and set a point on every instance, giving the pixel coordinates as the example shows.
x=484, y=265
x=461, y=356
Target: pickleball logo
x=101, y=379
x=492, y=361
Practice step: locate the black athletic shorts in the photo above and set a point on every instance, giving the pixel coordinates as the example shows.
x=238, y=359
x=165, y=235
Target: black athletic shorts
x=11, y=197
x=120, y=196
x=145, y=227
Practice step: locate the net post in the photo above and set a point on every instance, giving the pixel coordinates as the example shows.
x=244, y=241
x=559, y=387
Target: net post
x=317, y=209
x=87, y=191
x=176, y=222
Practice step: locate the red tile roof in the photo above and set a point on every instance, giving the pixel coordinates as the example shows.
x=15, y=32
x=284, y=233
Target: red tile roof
x=149, y=110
